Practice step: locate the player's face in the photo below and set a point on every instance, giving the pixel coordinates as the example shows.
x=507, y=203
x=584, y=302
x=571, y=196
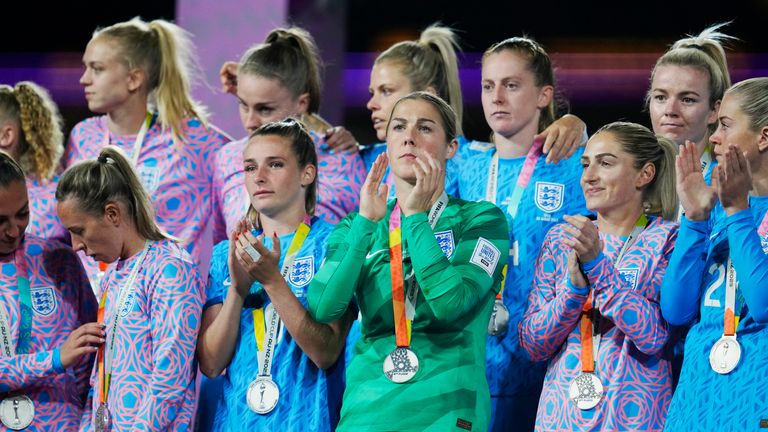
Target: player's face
x=14, y=216
x=388, y=85
x=735, y=128
x=264, y=100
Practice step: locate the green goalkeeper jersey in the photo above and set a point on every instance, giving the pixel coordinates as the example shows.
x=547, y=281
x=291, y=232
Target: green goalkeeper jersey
x=457, y=266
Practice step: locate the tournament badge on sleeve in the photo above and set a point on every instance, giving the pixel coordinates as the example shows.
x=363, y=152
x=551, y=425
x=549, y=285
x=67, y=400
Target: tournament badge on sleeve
x=17, y=412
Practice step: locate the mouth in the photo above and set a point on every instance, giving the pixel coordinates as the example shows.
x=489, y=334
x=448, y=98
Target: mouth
x=592, y=191
x=499, y=114
x=260, y=194
x=408, y=156
x=377, y=122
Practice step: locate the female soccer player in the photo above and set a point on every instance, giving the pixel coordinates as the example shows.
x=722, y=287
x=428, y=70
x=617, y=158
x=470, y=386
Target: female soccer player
x=716, y=278
x=47, y=309
x=423, y=269
x=277, y=79
x=30, y=132
x=594, y=310
x=281, y=371
x=137, y=75
x=150, y=303
x=518, y=88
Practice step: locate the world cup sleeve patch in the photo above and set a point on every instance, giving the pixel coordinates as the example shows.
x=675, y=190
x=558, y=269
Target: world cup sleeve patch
x=486, y=256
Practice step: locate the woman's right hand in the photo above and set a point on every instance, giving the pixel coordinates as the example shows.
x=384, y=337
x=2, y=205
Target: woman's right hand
x=228, y=77
x=373, y=194
x=574, y=271
x=82, y=341
x=697, y=198
x=238, y=275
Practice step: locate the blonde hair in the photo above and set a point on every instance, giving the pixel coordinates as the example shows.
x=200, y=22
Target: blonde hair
x=31, y=108
x=752, y=97
x=660, y=195
x=704, y=52
x=430, y=62
x=166, y=54
x=110, y=178
x=539, y=64
x=447, y=115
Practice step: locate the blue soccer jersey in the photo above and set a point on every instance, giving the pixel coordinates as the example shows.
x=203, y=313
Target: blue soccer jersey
x=693, y=293
x=310, y=398
x=553, y=191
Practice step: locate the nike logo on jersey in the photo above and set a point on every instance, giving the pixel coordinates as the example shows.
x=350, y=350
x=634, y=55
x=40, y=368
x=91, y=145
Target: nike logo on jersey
x=370, y=255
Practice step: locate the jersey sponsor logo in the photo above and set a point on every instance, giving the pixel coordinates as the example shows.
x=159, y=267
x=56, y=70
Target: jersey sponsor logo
x=486, y=256
x=44, y=301
x=630, y=276
x=445, y=240
x=549, y=196
x=302, y=271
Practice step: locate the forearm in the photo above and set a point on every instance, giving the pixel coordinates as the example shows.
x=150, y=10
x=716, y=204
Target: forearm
x=322, y=343
x=219, y=334
x=28, y=370
x=681, y=286
x=334, y=284
x=750, y=262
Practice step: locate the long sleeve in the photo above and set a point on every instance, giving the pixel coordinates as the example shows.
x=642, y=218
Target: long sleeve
x=637, y=316
x=334, y=284
x=681, y=287
x=29, y=370
x=454, y=287
x=750, y=262
x=554, y=307
x=340, y=175
x=86, y=418
x=175, y=318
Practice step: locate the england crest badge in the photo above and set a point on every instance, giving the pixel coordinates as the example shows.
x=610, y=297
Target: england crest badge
x=302, y=271
x=630, y=276
x=44, y=301
x=445, y=240
x=549, y=196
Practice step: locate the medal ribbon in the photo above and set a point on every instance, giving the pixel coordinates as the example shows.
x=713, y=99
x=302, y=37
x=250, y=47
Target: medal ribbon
x=731, y=320
x=526, y=172
x=25, y=310
x=106, y=353
x=503, y=279
x=266, y=320
x=405, y=311
x=590, y=319
x=148, y=120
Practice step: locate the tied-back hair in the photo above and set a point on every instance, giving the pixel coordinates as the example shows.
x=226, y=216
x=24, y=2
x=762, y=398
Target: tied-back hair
x=10, y=171
x=704, y=52
x=302, y=146
x=752, y=97
x=37, y=117
x=166, y=54
x=290, y=56
x=110, y=178
x=430, y=62
x=660, y=195
x=539, y=64
x=447, y=115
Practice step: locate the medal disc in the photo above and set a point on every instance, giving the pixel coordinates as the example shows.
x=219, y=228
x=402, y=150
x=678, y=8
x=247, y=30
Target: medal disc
x=17, y=412
x=401, y=365
x=725, y=355
x=499, y=319
x=586, y=390
x=262, y=395
x=101, y=419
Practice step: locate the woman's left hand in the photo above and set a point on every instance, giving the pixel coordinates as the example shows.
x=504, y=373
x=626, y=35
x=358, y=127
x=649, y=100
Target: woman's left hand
x=733, y=180
x=339, y=139
x=574, y=271
x=562, y=138
x=265, y=267
x=430, y=183
x=585, y=239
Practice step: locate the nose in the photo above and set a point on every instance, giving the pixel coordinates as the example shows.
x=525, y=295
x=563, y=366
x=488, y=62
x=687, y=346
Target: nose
x=717, y=137
x=408, y=136
x=85, y=78
x=498, y=95
x=373, y=103
x=589, y=175
x=252, y=121
x=14, y=230
x=77, y=244
x=671, y=108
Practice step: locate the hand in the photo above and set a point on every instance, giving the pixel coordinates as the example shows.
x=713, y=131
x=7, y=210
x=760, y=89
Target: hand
x=574, y=271
x=228, y=77
x=373, y=194
x=265, y=269
x=340, y=139
x=562, y=138
x=82, y=341
x=733, y=180
x=696, y=197
x=238, y=275
x=585, y=239
x=430, y=183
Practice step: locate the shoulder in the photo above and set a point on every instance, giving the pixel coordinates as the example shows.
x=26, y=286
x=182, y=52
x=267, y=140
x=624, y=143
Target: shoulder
x=170, y=260
x=88, y=126
x=204, y=133
x=470, y=210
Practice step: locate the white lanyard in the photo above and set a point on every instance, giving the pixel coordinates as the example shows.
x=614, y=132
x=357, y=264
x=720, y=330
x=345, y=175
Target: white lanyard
x=139, y=138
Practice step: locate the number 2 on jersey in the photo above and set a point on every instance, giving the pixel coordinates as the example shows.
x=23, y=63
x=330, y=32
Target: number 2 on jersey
x=708, y=300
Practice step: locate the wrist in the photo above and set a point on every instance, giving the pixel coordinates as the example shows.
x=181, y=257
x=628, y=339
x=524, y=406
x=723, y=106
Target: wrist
x=370, y=217
x=736, y=207
x=697, y=216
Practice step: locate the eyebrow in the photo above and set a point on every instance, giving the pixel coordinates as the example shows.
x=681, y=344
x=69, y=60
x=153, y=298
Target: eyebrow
x=600, y=156
x=268, y=159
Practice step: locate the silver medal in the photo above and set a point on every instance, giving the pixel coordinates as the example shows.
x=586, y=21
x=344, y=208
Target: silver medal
x=401, y=365
x=17, y=412
x=499, y=322
x=262, y=395
x=585, y=391
x=101, y=419
x=725, y=355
